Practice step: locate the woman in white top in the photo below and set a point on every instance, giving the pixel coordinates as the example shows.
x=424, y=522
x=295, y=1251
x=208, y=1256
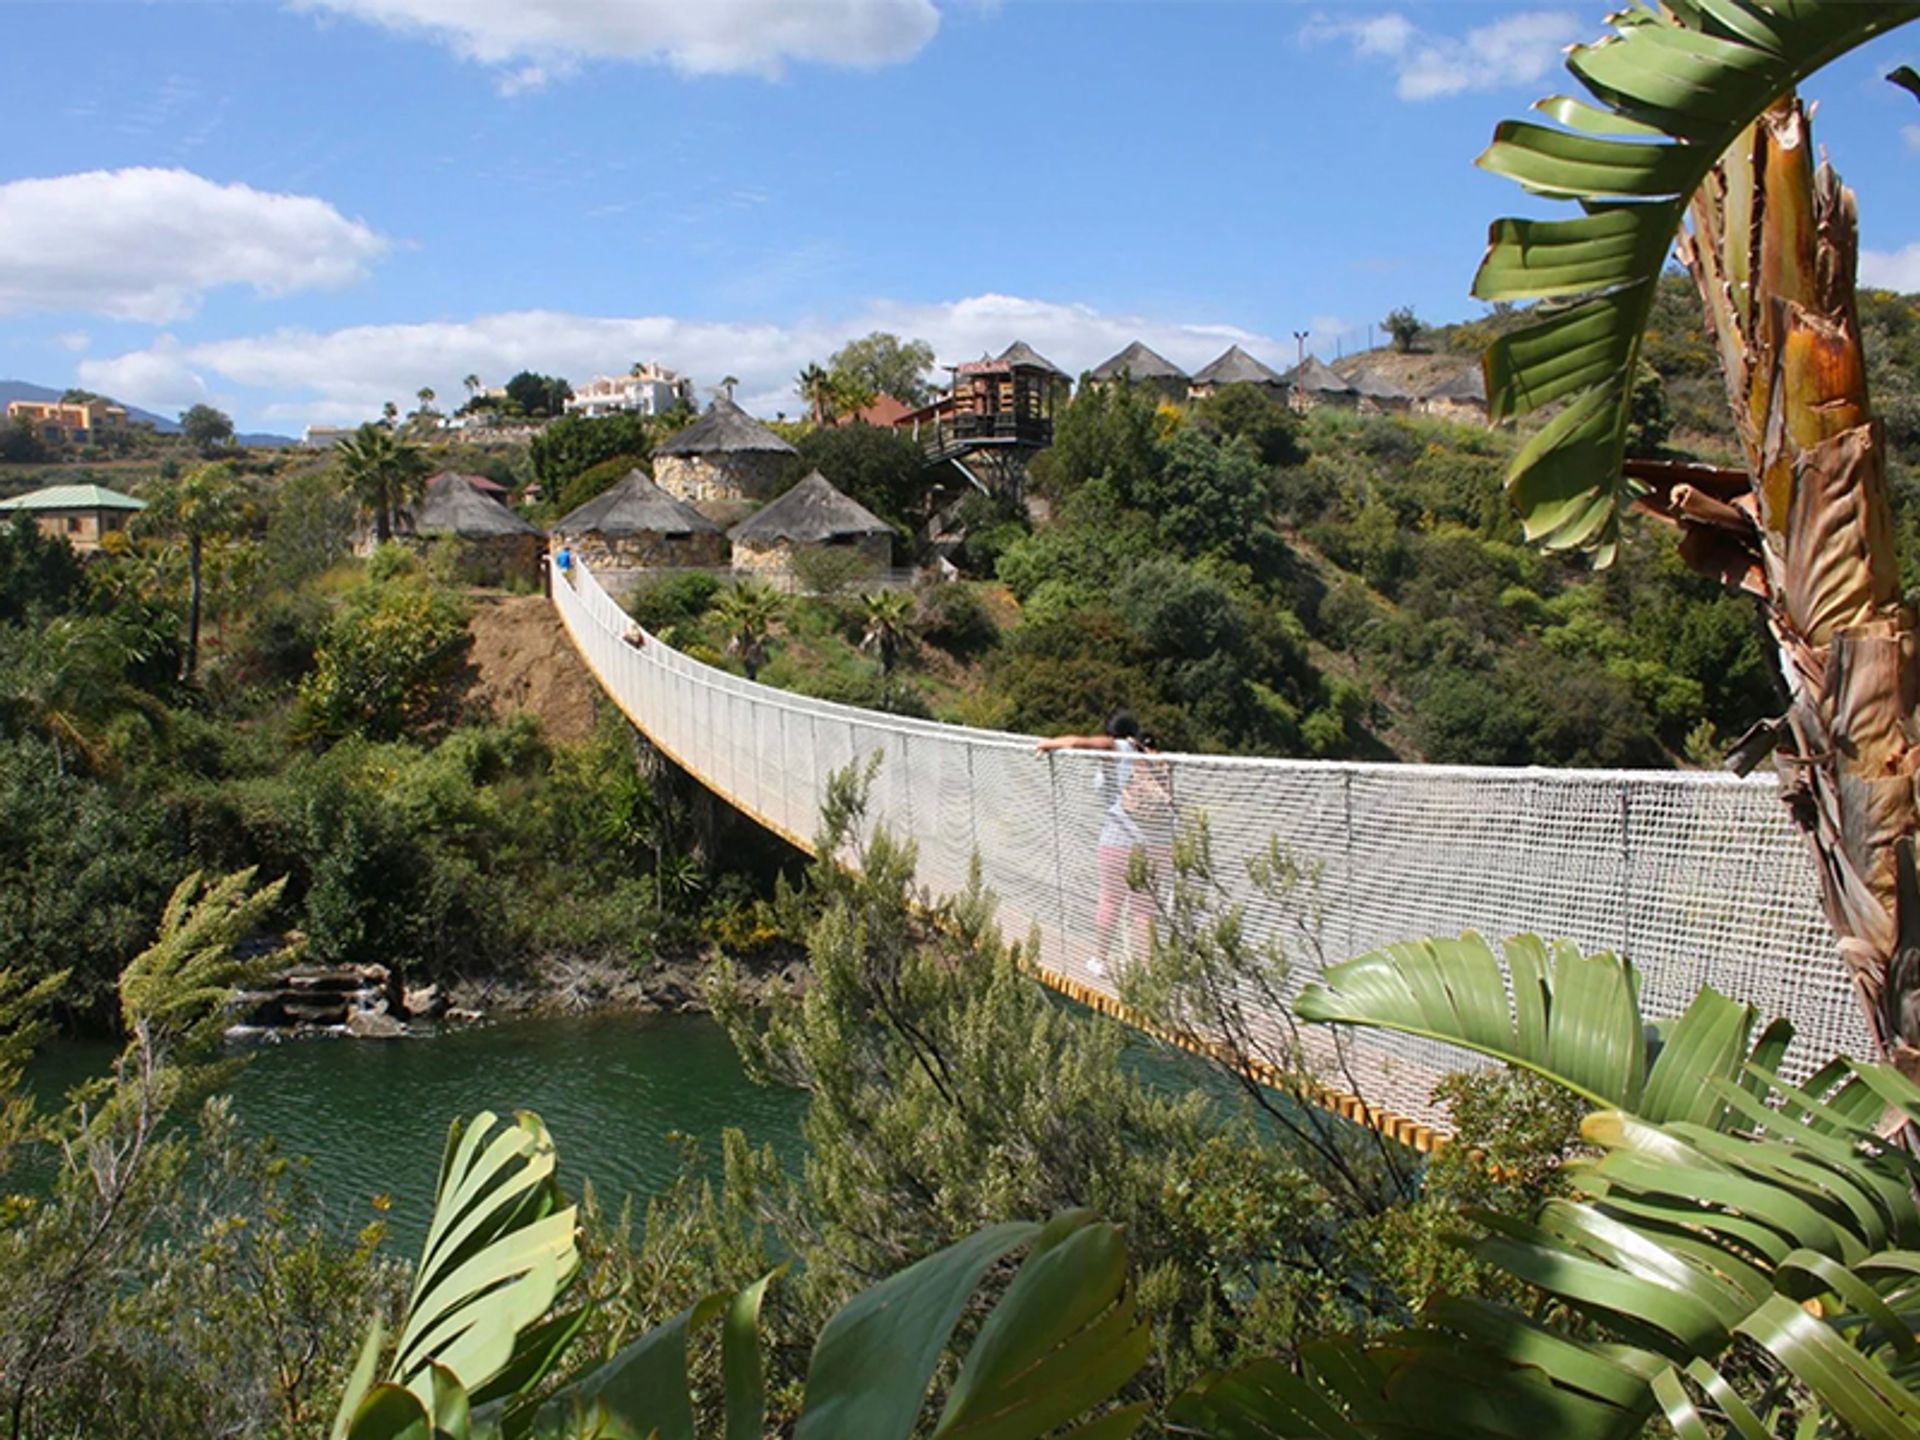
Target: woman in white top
x=1129, y=817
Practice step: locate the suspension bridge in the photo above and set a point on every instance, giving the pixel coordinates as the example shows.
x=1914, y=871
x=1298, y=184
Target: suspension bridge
x=1698, y=878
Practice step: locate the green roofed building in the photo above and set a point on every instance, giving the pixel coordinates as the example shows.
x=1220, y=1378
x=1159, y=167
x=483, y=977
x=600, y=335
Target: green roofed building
x=82, y=515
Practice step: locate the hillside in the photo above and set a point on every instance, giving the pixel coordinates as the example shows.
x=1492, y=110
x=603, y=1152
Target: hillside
x=24, y=390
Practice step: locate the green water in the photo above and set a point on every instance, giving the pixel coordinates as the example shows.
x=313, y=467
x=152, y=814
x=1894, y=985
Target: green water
x=373, y=1114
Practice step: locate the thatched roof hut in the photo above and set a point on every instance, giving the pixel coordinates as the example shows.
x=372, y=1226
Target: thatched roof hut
x=494, y=542
x=1314, y=382
x=1462, y=396
x=453, y=507
x=725, y=429
x=1236, y=367
x=811, y=516
x=724, y=462
x=1143, y=367
x=1377, y=392
x=1021, y=353
x=637, y=524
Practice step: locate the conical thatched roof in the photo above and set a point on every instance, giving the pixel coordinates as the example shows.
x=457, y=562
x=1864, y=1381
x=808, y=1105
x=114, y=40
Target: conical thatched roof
x=809, y=513
x=724, y=429
x=1140, y=363
x=1316, y=377
x=453, y=507
x=1021, y=353
x=635, y=506
x=1468, y=385
x=1237, y=367
x=1375, y=386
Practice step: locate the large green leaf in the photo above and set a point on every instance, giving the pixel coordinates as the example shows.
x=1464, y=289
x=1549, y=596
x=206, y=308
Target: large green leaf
x=1746, y=1280
x=1572, y=1018
x=1063, y=1338
x=498, y=1252
x=1672, y=89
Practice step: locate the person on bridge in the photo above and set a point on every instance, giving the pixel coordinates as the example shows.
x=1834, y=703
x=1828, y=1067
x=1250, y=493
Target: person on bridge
x=563, y=562
x=1139, y=817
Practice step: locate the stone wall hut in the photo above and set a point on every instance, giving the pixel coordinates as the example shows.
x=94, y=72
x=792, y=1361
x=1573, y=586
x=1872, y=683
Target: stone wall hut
x=636, y=525
x=82, y=515
x=494, y=543
x=1463, y=397
x=1378, y=394
x=1146, y=369
x=1237, y=367
x=811, y=516
x=1314, y=382
x=723, y=464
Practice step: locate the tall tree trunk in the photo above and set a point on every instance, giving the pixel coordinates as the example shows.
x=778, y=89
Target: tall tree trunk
x=1809, y=529
x=193, y=608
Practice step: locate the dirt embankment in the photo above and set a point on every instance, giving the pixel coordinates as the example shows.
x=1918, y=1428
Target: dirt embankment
x=522, y=661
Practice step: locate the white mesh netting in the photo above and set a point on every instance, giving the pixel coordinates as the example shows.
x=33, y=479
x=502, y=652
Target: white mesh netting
x=1698, y=878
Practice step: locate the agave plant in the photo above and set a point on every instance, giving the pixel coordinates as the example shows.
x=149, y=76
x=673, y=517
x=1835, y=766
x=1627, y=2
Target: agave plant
x=481, y=1334
x=1694, y=113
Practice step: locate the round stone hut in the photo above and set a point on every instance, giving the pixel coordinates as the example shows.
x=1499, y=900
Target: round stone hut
x=725, y=463
x=636, y=525
x=811, y=517
x=494, y=543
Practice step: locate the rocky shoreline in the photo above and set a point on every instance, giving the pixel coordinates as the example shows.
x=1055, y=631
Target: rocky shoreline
x=370, y=1002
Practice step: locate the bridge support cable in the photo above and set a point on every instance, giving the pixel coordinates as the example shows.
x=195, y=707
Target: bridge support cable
x=1709, y=884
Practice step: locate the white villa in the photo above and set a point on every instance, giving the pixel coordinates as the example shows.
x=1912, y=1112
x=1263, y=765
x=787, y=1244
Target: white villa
x=649, y=389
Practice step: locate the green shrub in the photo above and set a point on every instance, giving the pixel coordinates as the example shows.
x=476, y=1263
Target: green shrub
x=954, y=617
x=662, y=600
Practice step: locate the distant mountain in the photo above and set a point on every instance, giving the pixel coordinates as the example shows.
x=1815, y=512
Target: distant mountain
x=22, y=390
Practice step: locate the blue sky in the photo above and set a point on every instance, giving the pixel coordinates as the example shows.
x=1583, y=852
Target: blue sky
x=299, y=210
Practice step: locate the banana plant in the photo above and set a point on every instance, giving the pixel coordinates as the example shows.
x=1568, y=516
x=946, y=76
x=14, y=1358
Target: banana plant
x=1692, y=112
x=481, y=1338
x=499, y=1252
x=1751, y=1278
x=1572, y=1018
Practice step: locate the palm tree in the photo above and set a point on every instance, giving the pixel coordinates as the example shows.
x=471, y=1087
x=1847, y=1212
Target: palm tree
x=68, y=682
x=817, y=389
x=727, y=382
x=472, y=382
x=384, y=472
x=425, y=396
x=888, y=633
x=747, y=613
x=204, y=504
x=1696, y=117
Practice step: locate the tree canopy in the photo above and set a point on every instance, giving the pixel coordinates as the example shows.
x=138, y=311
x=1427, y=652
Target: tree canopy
x=884, y=364
x=208, y=430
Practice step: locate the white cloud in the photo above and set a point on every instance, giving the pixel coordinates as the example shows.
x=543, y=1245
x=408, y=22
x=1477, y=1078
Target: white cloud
x=299, y=376
x=73, y=340
x=534, y=41
x=1892, y=269
x=1911, y=135
x=157, y=378
x=146, y=244
x=1516, y=50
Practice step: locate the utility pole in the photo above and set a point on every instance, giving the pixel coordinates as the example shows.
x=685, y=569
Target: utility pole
x=1300, y=345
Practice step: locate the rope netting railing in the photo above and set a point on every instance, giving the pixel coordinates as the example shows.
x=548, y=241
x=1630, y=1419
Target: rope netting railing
x=1698, y=878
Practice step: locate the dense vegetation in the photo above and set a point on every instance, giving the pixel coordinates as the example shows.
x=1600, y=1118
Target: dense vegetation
x=329, y=742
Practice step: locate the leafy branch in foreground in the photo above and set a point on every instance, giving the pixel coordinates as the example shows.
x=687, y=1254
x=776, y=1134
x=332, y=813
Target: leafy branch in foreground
x=1743, y=1265
x=114, y=1167
x=1695, y=112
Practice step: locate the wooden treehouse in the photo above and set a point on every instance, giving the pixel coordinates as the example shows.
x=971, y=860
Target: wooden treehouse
x=996, y=416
